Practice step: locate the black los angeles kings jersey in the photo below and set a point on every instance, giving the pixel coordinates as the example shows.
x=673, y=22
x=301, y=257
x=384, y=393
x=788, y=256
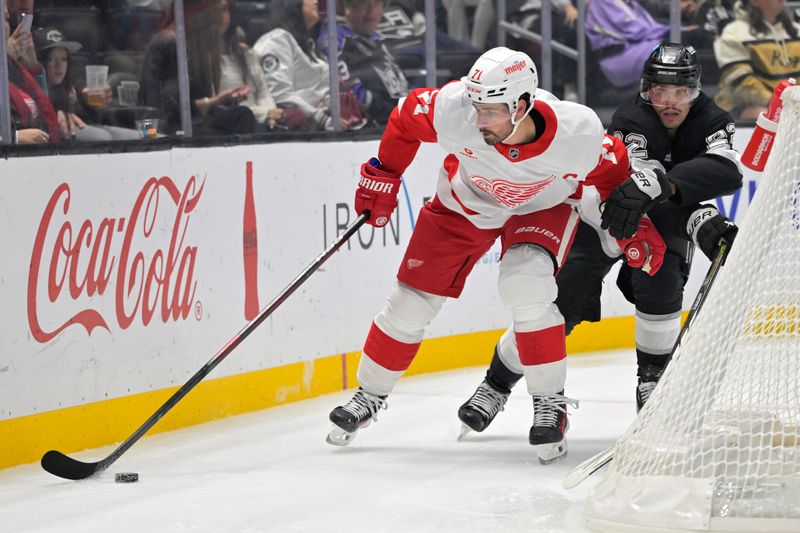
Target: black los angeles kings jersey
x=699, y=160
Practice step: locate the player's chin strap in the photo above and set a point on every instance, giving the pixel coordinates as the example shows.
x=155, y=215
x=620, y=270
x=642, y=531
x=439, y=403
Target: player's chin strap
x=517, y=123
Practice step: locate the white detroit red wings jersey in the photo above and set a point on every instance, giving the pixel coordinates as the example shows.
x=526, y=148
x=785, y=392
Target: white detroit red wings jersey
x=488, y=184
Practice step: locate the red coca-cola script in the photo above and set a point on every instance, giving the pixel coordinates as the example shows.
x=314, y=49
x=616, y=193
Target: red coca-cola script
x=156, y=282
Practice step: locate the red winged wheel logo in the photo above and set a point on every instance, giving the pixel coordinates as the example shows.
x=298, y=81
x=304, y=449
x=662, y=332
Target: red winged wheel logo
x=509, y=193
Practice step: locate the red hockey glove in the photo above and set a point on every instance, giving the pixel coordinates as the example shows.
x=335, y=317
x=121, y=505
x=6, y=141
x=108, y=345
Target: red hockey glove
x=645, y=249
x=377, y=193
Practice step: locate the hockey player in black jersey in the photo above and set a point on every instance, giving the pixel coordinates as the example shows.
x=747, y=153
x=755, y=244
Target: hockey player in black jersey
x=681, y=153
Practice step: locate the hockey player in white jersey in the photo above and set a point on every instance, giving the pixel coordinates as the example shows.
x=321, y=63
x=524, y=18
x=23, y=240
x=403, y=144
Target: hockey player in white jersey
x=517, y=161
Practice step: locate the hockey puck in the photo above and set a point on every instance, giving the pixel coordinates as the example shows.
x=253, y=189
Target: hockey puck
x=126, y=477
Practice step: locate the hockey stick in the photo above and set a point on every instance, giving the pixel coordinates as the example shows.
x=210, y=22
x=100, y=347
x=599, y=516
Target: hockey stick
x=577, y=475
x=64, y=466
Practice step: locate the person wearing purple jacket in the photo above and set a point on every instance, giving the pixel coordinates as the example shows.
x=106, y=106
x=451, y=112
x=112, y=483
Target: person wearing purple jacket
x=622, y=34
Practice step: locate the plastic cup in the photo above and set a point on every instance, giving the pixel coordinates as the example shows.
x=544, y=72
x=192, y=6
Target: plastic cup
x=128, y=93
x=96, y=80
x=148, y=128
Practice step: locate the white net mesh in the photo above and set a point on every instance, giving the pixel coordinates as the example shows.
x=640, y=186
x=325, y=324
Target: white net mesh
x=717, y=446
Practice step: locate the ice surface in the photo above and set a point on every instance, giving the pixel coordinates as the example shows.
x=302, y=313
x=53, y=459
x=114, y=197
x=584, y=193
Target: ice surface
x=272, y=470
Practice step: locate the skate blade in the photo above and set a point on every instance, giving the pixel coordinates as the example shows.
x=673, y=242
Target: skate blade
x=339, y=437
x=549, y=453
x=465, y=430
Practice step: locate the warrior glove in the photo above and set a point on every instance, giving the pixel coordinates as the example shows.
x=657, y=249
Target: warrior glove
x=632, y=199
x=645, y=249
x=708, y=229
x=377, y=193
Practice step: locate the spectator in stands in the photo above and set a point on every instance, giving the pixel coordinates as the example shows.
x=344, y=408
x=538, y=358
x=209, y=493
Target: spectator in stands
x=710, y=18
x=702, y=21
x=755, y=52
x=214, y=111
x=296, y=74
x=54, y=51
x=718, y=13
x=364, y=60
x=16, y=8
x=484, y=17
x=458, y=22
x=240, y=67
x=33, y=118
x=622, y=34
x=661, y=9
x=21, y=42
x=403, y=31
x=565, y=15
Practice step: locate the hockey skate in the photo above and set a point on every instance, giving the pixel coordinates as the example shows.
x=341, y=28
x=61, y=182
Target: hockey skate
x=550, y=424
x=347, y=419
x=478, y=412
x=648, y=379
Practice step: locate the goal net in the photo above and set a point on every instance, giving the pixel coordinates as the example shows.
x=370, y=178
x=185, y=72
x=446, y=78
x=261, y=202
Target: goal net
x=717, y=446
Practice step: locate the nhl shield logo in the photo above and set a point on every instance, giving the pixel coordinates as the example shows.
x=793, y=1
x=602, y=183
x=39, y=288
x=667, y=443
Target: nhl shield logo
x=270, y=63
x=513, y=153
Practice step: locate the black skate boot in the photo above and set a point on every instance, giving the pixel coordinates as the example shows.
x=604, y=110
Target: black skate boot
x=347, y=419
x=549, y=426
x=478, y=412
x=648, y=379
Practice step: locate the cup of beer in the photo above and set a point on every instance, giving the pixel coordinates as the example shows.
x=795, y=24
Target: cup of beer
x=96, y=80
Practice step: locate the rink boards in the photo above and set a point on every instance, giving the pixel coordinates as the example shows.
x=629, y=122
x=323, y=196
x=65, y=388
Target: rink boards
x=124, y=273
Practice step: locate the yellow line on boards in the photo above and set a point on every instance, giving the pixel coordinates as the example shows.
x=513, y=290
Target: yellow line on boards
x=25, y=439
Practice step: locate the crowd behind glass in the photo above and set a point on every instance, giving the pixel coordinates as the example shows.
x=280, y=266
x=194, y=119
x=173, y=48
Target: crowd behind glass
x=108, y=70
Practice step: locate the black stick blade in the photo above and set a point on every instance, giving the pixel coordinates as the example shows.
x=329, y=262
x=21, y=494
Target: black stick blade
x=64, y=466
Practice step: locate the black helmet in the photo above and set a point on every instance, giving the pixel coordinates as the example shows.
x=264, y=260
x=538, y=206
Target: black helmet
x=671, y=64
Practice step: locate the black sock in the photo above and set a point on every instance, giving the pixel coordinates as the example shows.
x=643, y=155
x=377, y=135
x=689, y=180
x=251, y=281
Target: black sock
x=500, y=376
x=651, y=363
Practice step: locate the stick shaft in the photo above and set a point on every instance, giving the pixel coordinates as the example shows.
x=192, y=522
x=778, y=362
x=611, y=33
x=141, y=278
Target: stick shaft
x=63, y=466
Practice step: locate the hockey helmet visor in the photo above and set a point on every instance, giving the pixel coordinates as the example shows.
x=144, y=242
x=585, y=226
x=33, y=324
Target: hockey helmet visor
x=487, y=115
x=669, y=95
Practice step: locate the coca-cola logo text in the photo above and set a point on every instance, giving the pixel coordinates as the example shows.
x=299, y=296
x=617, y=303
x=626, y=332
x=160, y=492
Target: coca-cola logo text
x=158, y=282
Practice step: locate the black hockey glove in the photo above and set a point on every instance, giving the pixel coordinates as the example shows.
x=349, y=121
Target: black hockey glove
x=708, y=229
x=633, y=198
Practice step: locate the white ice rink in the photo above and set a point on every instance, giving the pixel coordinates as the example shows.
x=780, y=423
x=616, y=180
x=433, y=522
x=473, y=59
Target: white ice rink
x=272, y=470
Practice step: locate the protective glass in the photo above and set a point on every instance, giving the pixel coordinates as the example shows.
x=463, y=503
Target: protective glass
x=488, y=115
x=667, y=95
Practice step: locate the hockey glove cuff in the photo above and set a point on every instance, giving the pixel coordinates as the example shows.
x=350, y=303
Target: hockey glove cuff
x=645, y=249
x=377, y=193
x=632, y=199
x=708, y=229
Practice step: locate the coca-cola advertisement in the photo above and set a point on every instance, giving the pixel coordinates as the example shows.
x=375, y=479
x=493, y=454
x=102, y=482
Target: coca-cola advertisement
x=74, y=259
